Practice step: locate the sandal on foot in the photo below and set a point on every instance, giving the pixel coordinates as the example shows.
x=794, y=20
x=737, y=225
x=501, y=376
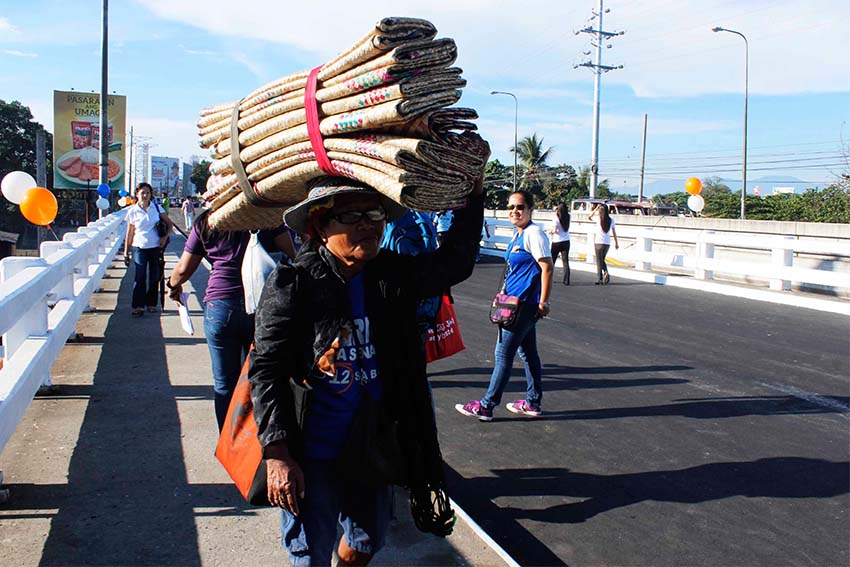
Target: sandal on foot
x=138, y=312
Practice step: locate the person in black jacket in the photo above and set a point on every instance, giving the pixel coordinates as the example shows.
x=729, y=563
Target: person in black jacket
x=338, y=379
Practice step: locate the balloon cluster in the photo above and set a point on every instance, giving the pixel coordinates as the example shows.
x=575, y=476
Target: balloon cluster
x=103, y=191
x=38, y=205
x=125, y=200
x=694, y=187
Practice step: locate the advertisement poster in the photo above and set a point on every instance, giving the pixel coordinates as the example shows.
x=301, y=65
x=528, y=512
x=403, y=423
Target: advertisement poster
x=165, y=175
x=77, y=136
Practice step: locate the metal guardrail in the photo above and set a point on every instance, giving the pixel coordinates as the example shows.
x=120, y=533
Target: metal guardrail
x=698, y=254
x=41, y=300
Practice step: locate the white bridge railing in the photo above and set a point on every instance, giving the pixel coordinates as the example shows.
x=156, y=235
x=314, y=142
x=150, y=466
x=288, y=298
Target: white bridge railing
x=41, y=300
x=704, y=253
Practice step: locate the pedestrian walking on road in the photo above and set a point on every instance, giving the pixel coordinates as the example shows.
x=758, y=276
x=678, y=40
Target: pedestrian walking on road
x=559, y=234
x=336, y=337
x=147, y=245
x=227, y=326
x=602, y=241
x=188, y=209
x=443, y=221
x=528, y=276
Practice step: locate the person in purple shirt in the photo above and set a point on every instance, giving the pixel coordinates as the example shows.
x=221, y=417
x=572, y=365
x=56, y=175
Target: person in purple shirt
x=228, y=328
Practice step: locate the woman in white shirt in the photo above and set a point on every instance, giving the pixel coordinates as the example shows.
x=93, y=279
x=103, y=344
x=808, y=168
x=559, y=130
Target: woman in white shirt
x=559, y=236
x=147, y=247
x=602, y=241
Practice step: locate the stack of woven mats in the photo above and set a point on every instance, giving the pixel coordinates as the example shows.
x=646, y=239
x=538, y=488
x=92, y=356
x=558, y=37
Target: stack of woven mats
x=376, y=113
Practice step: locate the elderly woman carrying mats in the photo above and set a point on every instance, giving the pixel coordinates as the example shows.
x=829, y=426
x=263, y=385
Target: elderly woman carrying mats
x=342, y=322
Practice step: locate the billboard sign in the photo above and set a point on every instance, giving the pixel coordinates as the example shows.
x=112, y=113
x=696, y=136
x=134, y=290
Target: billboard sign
x=77, y=138
x=188, y=186
x=165, y=175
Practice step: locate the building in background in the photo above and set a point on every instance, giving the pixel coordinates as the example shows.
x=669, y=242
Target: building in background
x=189, y=188
x=165, y=175
x=143, y=161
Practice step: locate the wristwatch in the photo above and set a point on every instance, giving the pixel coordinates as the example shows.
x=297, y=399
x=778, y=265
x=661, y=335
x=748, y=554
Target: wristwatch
x=168, y=284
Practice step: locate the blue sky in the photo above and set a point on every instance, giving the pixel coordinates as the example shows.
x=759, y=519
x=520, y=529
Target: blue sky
x=174, y=57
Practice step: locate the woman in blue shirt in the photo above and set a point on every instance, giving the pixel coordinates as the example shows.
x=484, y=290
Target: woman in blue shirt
x=528, y=276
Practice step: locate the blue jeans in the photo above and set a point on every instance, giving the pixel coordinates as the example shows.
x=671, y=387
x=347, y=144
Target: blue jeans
x=521, y=337
x=363, y=511
x=146, y=263
x=230, y=332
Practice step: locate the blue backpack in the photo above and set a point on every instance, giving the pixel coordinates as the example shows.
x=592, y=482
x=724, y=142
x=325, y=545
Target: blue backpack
x=410, y=235
x=413, y=234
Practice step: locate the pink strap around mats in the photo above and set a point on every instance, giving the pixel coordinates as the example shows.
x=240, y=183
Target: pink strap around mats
x=311, y=106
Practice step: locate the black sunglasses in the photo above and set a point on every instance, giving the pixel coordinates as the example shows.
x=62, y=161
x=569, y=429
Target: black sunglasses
x=354, y=217
x=517, y=207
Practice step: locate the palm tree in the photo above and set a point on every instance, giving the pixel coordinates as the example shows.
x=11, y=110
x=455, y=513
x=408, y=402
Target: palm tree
x=602, y=189
x=533, y=158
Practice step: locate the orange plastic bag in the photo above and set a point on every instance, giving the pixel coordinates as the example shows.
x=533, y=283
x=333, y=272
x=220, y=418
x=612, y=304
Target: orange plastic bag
x=239, y=449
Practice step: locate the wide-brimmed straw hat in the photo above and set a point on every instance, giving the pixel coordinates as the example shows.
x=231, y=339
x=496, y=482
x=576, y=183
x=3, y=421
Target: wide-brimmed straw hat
x=298, y=216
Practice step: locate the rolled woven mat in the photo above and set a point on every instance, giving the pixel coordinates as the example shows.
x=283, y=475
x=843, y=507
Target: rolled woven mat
x=402, y=62
x=237, y=213
x=291, y=111
x=376, y=113
x=462, y=151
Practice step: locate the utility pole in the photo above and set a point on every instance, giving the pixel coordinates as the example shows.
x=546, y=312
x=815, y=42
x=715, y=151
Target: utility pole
x=40, y=172
x=104, y=96
x=642, y=160
x=598, y=35
x=129, y=182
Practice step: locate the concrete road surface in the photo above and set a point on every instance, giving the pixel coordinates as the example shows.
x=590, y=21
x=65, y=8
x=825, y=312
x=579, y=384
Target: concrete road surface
x=118, y=467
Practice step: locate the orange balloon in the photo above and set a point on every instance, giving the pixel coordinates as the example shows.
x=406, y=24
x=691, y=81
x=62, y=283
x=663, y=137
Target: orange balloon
x=39, y=206
x=693, y=185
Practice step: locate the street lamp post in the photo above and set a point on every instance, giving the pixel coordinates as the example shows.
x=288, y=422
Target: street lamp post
x=746, y=94
x=516, y=123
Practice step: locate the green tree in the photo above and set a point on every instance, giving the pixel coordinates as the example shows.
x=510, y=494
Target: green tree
x=561, y=186
x=200, y=174
x=602, y=190
x=533, y=158
x=17, y=141
x=498, y=180
x=17, y=153
x=827, y=205
x=713, y=186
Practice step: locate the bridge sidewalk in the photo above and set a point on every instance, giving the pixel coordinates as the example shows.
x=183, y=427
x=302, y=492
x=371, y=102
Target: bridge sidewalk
x=117, y=468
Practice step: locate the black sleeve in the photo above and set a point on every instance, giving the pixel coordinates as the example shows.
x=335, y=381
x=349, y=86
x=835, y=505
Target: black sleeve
x=275, y=357
x=453, y=262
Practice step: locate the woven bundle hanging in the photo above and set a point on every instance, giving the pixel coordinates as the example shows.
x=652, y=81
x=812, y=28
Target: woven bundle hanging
x=377, y=113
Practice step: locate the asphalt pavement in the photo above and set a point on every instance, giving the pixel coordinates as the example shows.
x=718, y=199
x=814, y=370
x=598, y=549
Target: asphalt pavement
x=680, y=428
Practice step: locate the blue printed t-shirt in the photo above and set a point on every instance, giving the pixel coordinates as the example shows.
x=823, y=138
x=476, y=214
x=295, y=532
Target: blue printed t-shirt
x=522, y=277
x=336, y=398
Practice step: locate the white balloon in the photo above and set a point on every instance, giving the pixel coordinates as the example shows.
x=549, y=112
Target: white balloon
x=696, y=203
x=16, y=184
x=122, y=201
x=102, y=203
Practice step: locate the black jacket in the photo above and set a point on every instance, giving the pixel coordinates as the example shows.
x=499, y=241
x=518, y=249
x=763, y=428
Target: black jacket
x=302, y=309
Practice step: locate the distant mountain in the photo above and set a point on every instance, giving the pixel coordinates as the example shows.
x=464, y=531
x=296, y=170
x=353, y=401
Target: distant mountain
x=766, y=183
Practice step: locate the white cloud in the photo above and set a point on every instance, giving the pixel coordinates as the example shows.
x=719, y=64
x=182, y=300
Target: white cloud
x=173, y=138
x=6, y=27
x=668, y=49
x=16, y=53
x=198, y=51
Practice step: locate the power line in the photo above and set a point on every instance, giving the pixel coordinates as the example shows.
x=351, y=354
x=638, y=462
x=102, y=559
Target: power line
x=598, y=35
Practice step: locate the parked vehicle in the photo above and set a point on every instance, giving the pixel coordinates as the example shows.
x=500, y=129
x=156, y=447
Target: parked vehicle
x=627, y=207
